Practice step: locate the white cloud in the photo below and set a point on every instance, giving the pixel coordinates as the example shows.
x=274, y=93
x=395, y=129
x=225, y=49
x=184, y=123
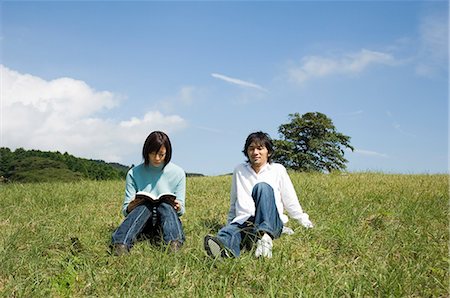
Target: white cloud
x=133, y=130
x=316, y=66
x=73, y=97
x=238, y=82
x=62, y=115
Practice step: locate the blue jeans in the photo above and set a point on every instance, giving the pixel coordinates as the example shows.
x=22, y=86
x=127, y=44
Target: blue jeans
x=145, y=218
x=266, y=220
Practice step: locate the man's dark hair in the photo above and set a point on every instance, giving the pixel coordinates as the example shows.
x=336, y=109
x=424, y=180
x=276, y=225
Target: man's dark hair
x=153, y=143
x=262, y=139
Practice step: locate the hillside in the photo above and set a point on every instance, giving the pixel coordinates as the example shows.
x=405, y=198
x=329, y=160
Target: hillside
x=375, y=235
x=43, y=166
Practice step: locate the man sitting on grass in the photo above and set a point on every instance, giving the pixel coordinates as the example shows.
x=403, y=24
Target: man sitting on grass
x=260, y=192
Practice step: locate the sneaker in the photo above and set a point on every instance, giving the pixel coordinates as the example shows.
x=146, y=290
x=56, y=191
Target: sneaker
x=119, y=249
x=264, y=247
x=215, y=248
x=175, y=246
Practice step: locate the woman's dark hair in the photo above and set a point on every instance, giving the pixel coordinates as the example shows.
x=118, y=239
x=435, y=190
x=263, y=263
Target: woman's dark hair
x=262, y=139
x=153, y=143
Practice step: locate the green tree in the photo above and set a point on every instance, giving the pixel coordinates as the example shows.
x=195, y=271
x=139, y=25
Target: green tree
x=310, y=143
x=38, y=166
x=6, y=158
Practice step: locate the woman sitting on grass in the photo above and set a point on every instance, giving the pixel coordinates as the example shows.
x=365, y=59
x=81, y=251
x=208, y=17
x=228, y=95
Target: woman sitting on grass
x=156, y=175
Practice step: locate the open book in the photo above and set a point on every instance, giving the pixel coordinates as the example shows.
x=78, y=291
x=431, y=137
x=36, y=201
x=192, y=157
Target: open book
x=143, y=196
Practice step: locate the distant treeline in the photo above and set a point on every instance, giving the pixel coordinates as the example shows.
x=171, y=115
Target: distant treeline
x=42, y=166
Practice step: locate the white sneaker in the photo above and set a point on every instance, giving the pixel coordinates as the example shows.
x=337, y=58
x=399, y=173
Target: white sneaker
x=264, y=247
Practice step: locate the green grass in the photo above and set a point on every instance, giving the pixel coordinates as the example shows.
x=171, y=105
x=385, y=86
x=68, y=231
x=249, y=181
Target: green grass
x=376, y=235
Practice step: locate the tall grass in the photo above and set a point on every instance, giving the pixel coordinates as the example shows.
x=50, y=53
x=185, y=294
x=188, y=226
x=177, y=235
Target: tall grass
x=375, y=235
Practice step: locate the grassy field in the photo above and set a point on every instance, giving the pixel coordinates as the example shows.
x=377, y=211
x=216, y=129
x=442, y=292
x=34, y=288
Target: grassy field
x=375, y=235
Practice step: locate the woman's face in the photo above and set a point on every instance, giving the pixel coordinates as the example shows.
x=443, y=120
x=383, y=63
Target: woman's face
x=157, y=158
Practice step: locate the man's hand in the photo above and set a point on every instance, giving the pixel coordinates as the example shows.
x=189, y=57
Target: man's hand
x=287, y=231
x=304, y=221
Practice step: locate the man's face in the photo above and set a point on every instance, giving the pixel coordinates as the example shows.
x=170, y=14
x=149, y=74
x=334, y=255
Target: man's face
x=157, y=158
x=257, y=154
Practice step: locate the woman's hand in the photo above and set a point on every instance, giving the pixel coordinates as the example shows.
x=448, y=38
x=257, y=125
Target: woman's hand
x=177, y=205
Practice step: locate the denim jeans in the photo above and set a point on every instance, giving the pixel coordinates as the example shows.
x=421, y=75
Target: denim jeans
x=266, y=220
x=145, y=218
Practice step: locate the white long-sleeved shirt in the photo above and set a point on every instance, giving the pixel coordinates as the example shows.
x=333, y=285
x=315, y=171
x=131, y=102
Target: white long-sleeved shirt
x=245, y=178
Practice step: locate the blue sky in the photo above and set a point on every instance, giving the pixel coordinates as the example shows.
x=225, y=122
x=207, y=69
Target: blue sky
x=94, y=78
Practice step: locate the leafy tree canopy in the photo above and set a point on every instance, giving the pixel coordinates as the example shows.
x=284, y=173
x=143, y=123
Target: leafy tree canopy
x=310, y=143
x=40, y=166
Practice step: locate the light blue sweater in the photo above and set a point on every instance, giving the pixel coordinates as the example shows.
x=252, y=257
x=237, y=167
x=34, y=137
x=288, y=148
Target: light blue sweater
x=156, y=181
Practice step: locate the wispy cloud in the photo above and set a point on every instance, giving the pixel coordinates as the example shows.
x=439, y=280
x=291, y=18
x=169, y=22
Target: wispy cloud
x=185, y=96
x=370, y=153
x=316, y=66
x=238, y=82
x=398, y=127
x=355, y=113
x=209, y=129
x=62, y=115
x=433, y=39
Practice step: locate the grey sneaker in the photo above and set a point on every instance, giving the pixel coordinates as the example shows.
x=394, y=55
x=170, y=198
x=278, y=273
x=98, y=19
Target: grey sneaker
x=264, y=247
x=175, y=246
x=119, y=249
x=215, y=248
